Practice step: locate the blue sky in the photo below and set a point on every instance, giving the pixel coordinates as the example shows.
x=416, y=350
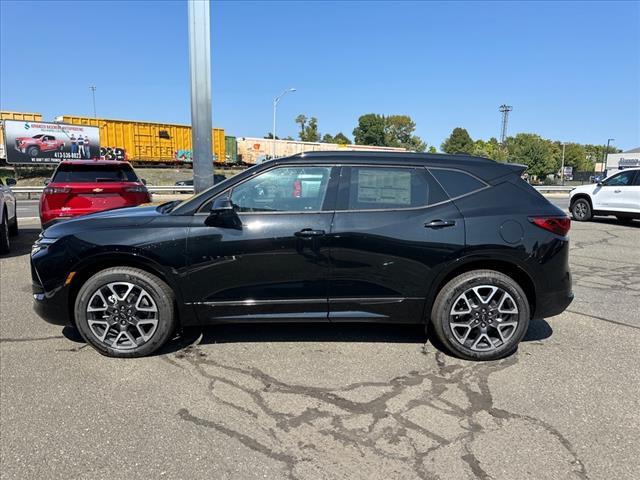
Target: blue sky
x=570, y=69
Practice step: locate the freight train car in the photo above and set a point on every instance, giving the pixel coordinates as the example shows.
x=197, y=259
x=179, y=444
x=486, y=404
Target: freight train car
x=24, y=116
x=255, y=150
x=148, y=143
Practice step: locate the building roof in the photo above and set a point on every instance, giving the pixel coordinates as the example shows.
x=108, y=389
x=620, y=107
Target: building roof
x=633, y=150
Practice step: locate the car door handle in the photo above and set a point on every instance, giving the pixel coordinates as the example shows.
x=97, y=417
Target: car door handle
x=308, y=233
x=617, y=191
x=440, y=224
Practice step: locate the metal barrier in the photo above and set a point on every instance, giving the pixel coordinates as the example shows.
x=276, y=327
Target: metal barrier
x=189, y=189
x=152, y=189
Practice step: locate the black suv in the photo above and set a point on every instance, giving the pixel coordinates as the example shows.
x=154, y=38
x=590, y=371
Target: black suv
x=459, y=243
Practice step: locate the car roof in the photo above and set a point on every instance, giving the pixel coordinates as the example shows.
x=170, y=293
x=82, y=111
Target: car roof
x=481, y=167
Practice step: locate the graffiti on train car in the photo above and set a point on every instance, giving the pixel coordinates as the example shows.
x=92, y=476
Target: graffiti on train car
x=184, y=156
x=113, y=153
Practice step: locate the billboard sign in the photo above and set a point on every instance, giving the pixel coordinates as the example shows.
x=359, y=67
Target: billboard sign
x=568, y=173
x=42, y=142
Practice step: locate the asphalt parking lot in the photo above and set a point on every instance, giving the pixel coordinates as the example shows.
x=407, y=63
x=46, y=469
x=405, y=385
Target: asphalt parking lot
x=333, y=401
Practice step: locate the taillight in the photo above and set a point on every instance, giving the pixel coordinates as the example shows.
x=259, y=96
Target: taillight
x=50, y=190
x=557, y=225
x=138, y=189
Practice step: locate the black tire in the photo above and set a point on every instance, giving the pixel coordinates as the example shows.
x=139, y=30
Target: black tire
x=159, y=291
x=13, y=226
x=4, y=234
x=450, y=293
x=581, y=210
x=33, y=151
x=625, y=220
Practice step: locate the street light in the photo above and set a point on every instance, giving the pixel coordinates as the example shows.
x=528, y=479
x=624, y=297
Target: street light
x=562, y=169
x=604, y=155
x=275, y=105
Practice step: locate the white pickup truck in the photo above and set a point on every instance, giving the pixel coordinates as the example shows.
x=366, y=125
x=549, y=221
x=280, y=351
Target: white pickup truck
x=618, y=194
x=8, y=214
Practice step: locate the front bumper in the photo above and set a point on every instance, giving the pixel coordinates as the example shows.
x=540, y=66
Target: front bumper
x=53, y=306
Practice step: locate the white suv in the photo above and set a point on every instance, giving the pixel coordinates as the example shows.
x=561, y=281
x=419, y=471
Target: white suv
x=618, y=194
x=8, y=214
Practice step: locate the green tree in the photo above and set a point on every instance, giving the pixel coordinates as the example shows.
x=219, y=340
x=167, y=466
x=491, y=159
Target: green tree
x=328, y=138
x=270, y=136
x=432, y=149
x=370, y=130
x=458, y=142
x=399, y=133
x=310, y=132
x=302, y=121
x=391, y=131
x=534, y=151
x=341, y=139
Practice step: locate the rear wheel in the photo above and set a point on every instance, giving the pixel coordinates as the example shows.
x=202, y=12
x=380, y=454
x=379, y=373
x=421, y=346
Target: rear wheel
x=4, y=234
x=581, y=210
x=125, y=312
x=33, y=151
x=481, y=315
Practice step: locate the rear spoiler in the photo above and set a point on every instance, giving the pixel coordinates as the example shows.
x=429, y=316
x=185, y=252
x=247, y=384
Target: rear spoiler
x=508, y=170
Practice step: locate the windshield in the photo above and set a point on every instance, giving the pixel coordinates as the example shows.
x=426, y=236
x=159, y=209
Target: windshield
x=94, y=173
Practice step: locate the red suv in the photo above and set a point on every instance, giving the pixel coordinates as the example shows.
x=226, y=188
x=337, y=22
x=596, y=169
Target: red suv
x=32, y=146
x=81, y=187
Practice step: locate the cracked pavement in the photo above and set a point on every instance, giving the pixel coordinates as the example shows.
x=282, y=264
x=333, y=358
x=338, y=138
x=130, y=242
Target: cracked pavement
x=333, y=401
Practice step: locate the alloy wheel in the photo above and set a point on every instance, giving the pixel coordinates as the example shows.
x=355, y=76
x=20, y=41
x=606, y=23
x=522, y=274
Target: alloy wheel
x=484, y=318
x=122, y=315
x=580, y=209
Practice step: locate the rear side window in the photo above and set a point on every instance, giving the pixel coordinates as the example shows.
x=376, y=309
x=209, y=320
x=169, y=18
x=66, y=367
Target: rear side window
x=94, y=173
x=457, y=183
x=374, y=188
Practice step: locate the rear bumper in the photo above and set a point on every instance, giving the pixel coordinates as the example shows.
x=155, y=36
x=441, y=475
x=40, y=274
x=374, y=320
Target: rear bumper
x=551, y=304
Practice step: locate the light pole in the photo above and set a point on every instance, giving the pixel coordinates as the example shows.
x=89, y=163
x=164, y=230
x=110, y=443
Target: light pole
x=562, y=168
x=604, y=155
x=93, y=93
x=275, y=105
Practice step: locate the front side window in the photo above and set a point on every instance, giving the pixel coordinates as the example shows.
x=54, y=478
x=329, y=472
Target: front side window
x=620, y=179
x=457, y=183
x=375, y=188
x=285, y=189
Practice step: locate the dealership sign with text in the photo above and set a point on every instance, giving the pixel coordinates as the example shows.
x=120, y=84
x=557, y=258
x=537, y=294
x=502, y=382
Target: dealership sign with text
x=42, y=142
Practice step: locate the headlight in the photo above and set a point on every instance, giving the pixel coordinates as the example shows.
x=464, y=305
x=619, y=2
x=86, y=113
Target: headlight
x=41, y=243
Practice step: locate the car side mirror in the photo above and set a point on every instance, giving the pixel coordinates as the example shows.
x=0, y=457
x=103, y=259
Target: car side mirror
x=144, y=181
x=599, y=184
x=223, y=215
x=11, y=182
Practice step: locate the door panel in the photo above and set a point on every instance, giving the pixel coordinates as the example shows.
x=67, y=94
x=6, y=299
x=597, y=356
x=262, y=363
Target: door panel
x=383, y=261
x=261, y=272
x=274, y=266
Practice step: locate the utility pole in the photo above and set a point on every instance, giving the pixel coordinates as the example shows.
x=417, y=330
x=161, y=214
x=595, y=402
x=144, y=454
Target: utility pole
x=275, y=106
x=504, y=109
x=93, y=93
x=605, y=153
x=562, y=168
x=200, y=69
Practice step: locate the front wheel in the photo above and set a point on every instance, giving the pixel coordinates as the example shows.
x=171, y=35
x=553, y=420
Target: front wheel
x=33, y=151
x=481, y=315
x=125, y=312
x=581, y=210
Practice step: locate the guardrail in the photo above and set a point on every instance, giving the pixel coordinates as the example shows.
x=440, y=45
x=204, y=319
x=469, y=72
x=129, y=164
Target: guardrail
x=153, y=189
x=189, y=189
